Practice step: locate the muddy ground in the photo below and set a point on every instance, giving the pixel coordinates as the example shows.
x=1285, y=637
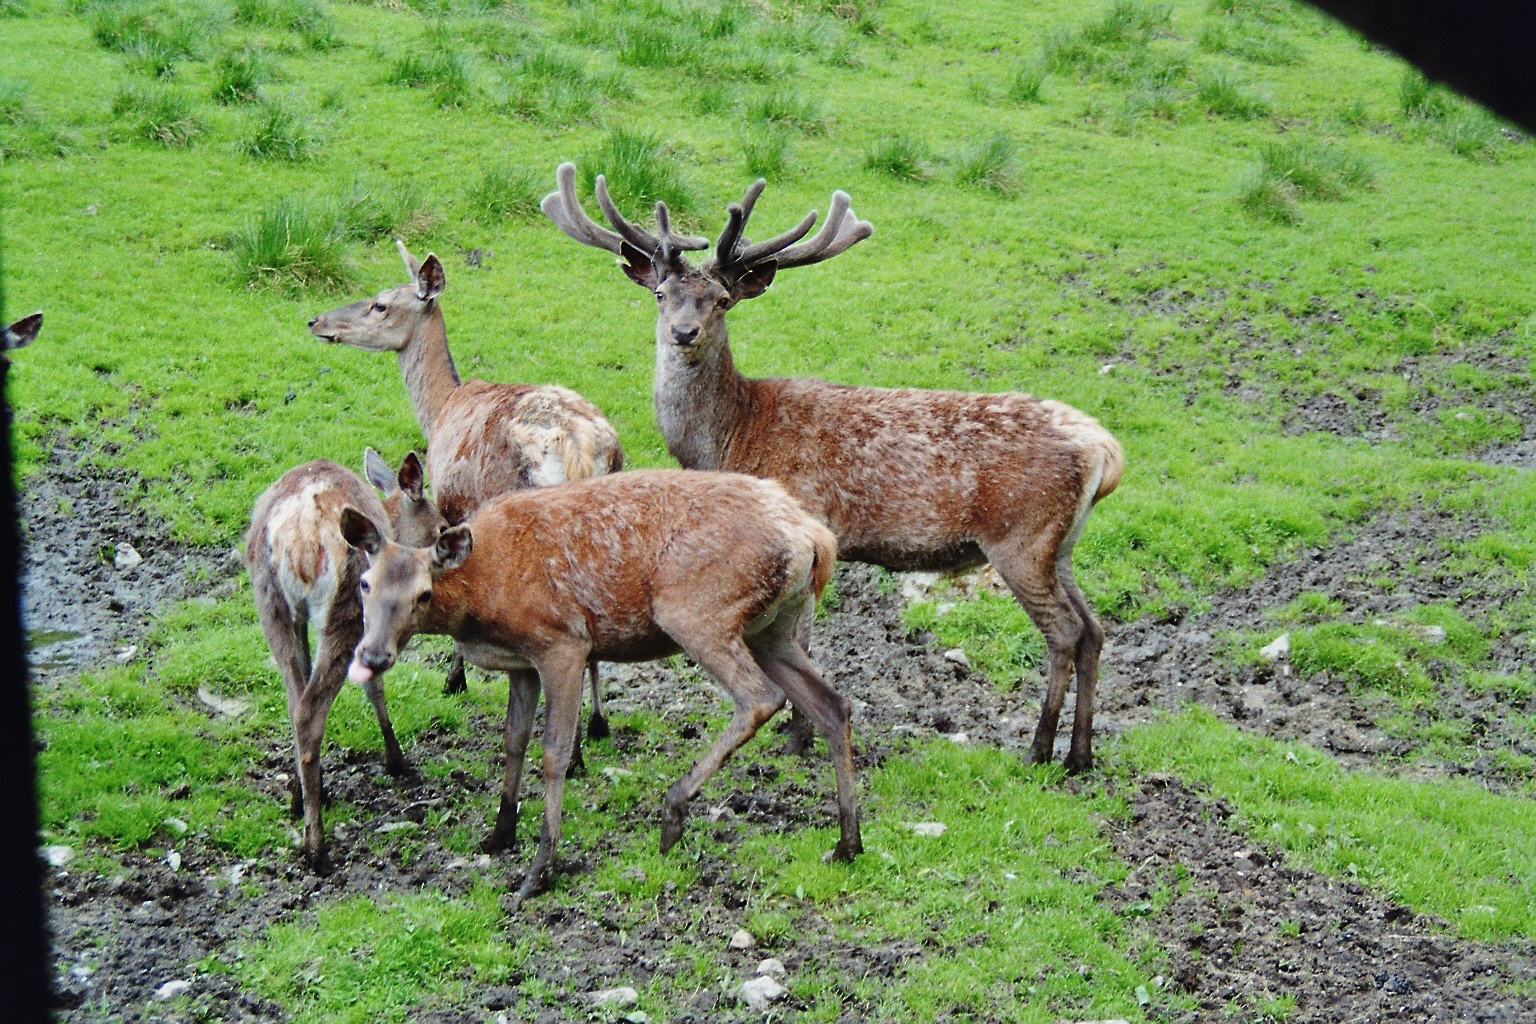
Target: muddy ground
x=1357, y=957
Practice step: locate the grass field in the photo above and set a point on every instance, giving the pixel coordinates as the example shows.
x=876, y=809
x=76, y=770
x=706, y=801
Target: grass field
x=1188, y=220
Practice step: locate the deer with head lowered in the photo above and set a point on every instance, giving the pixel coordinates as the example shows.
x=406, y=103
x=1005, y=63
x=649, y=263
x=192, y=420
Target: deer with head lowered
x=629, y=567
x=483, y=439
x=907, y=479
x=303, y=574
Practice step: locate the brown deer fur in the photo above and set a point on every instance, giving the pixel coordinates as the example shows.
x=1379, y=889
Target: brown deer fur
x=483, y=439
x=907, y=479
x=630, y=567
x=304, y=574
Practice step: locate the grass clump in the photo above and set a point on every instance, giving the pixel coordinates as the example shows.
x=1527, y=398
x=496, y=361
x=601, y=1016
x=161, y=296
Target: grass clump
x=157, y=113
x=711, y=98
x=1287, y=172
x=1420, y=98
x=442, y=70
x=640, y=170
x=1026, y=84
x=280, y=130
x=1267, y=198
x=997, y=636
x=368, y=212
x=991, y=165
x=543, y=84
x=239, y=74
x=900, y=157
x=1250, y=40
x=786, y=108
x=294, y=244
x=765, y=155
x=1116, y=47
x=504, y=192
x=23, y=131
x=306, y=17
x=1223, y=95
x=1472, y=134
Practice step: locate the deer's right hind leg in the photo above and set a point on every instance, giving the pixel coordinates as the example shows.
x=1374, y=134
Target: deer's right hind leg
x=287, y=636
x=1030, y=573
x=597, y=723
x=800, y=732
x=522, y=702
x=314, y=706
x=456, y=680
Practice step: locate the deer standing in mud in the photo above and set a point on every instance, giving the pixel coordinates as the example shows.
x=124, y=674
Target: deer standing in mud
x=907, y=479
x=303, y=574
x=483, y=439
x=630, y=567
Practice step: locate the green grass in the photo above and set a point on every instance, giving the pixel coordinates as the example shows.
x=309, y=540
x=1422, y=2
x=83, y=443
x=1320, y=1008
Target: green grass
x=1444, y=848
x=280, y=130
x=900, y=156
x=505, y=192
x=1223, y=95
x=996, y=635
x=640, y=169
x=239, y=74
x=765, y=155
x=157, y=113
x=991, y=164
x=294, y=243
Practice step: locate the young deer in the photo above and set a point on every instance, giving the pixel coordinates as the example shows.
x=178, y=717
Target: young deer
x=630, y=567
x=304, y=573
x=483, y=439
x=907, y=479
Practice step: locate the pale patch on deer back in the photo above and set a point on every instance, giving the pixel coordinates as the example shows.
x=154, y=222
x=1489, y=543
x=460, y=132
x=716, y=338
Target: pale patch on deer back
x=303, y=535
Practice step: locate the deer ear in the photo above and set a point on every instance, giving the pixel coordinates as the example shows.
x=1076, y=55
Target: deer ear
x=360, y=532
x=430, y=278
x=755, y=281
x=452, y=548
x=638, y=266
x=377, y=471
x=21, y=333
x=410, y=476
x=411, y=262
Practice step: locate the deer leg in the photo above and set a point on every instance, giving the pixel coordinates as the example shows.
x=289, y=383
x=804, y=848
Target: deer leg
x=799, y=732
x=394, y=758
x=783, y=660
x=597, y=723
x=455, y=682
x=288, y=638
x=314, y=706
x=522, y=701
x=561, y=673
x=756, y=698
x=1086, y=658
x=1031, y=574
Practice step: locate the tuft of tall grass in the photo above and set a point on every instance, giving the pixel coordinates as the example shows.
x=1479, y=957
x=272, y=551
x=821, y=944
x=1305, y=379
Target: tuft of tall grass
x=900, y=157
x=1472, y=134
x=15, y=101
x=154, y=37
x=280, y=130
x=23, y=132
x=1354, y=114
x=543, y=84
x=446, y=72
x=1265, y=10
x=15, y=8
x=293, y=244
x=157, y=113
x=785, y=108
x=991, y=165
x=504, y=192
x=1025, y=87
x=1318, y=171
x=1419, y=97
x=640, y=170
x=239, y=74
x=368, y=212
x=767, y=154
x=711, y=98
x=1266, y=198
x=1250, y=40
x=1223, y=95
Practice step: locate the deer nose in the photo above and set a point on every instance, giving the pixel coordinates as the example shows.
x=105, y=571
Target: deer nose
x=375, y=661
x=684, y=335
x=313, y=320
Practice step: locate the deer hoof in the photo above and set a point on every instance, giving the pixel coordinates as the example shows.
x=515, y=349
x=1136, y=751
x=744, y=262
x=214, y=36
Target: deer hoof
x=1040, y=753
x=597, y=727
x=455, y=683
x=577, y=766
x=397, y=766
x=672, y=821
x=845, y=851
x=319, y=861
x=1078, y=764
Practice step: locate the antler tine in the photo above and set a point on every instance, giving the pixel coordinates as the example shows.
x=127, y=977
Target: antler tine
x=633, y=233
x=562, y=207
x=736, y=217
x=771, y=247
x=841, y=230
x=667, y=235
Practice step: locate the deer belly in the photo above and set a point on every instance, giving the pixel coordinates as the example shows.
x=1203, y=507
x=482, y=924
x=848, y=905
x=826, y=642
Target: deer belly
x=492, y=657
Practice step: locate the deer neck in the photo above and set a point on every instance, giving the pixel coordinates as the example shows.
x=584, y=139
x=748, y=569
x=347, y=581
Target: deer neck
x=698, y=404
x=427, y=366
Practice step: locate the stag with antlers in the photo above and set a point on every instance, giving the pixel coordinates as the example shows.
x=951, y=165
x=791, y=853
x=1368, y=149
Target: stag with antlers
x=907, y=479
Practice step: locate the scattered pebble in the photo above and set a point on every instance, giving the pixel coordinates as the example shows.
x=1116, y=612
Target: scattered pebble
x=57, y=856
x=960, y=739
x=126, y=654
x=617, y=998
x=1434, y=634
x=762, y=992
x=617, y=773
x=127, y=558
x=742, y=939
x=172, y=989
x=229, y=707
x=174, y=860
x=457, y=863
x=957, y=656
x=397, y=826
x=772, y=966
x=176, y=825
x=929, y=828
x=638, y=1017
x=1278, y=649
x=483, y=861
x=1106, y=368
x=236, y=872
x=634, y=874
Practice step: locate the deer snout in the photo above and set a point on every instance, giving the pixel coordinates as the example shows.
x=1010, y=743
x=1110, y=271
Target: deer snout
x=684, y=335
x=367, y=664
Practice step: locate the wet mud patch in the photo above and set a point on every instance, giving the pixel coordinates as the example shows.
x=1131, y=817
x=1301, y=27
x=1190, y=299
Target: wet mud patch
x=1243, y=928
x=82, y=601
x=1386, y=566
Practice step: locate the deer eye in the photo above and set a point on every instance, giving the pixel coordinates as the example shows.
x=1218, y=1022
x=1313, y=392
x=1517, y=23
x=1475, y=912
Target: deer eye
x=378, y=307
x=661, y=296
x=425, y=598
x=363, y=586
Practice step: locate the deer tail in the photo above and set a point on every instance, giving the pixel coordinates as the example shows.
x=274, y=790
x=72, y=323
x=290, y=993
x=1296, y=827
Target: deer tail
x=824, y=562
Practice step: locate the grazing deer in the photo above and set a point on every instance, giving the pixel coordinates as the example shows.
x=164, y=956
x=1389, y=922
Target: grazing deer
x=630, y=567
x=17, y=335
x=907, y=479
x=483, y=439
x=304, y=573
